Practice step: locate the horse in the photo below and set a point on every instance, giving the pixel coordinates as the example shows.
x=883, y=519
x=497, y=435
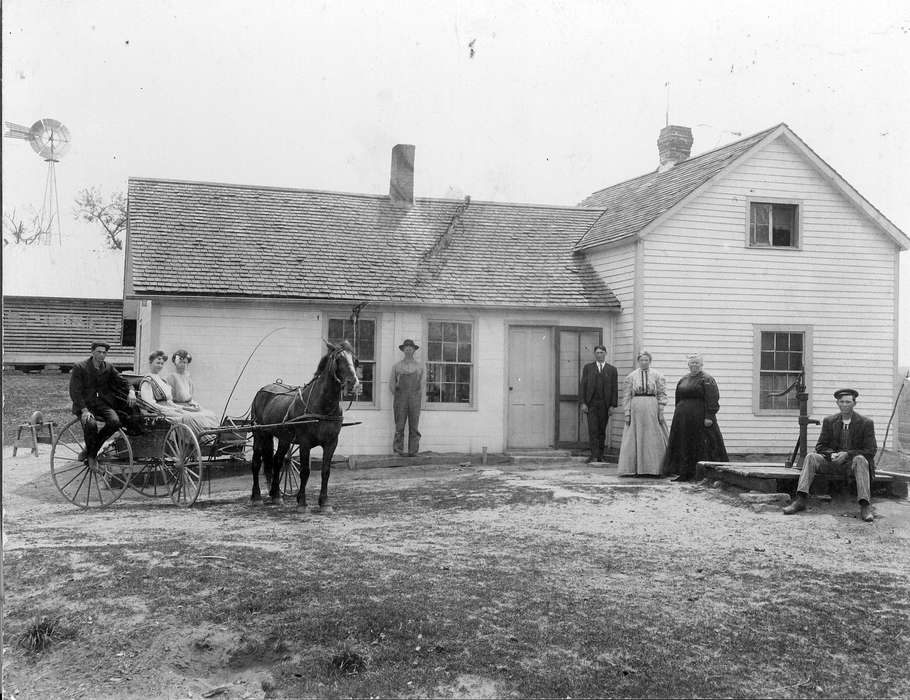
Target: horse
x=309, y=416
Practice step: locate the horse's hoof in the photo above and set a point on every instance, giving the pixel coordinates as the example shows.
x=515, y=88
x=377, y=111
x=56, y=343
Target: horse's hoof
x=256, y=501
x=278, y=501
x=327, y=510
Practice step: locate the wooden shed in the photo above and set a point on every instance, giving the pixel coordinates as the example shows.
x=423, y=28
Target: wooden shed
x=43, y=331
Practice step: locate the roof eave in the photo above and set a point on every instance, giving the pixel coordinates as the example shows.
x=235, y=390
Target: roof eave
x=617, y=242
x=832, y=176
x=137, y=295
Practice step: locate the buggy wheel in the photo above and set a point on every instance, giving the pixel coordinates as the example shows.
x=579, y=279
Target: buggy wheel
x=152, y=479
x=181, y=460
x=290, y=472
x=85, y=486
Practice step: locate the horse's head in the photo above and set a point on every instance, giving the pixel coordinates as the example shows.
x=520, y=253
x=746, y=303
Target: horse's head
x=343, y=364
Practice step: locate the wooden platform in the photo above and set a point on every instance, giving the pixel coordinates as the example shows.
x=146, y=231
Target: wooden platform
x=769, y=477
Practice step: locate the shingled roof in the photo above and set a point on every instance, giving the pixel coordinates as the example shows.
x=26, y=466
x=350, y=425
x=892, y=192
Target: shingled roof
x=194, y=238
x=631, y=205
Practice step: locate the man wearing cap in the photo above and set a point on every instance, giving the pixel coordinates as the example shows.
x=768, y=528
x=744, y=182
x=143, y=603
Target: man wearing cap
x=407, y=385
x=97, y=389
x=599, y=392
x=846, y=446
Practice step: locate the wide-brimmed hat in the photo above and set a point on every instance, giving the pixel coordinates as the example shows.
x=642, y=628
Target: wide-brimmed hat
x=409, y=344
x=101, y=344
x=846, y=392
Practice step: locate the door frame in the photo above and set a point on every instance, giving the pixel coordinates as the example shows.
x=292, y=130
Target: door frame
x=559, y=397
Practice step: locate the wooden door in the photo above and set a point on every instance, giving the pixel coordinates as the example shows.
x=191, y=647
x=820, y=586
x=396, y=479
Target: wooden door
x=576, y=348
x=531, y=390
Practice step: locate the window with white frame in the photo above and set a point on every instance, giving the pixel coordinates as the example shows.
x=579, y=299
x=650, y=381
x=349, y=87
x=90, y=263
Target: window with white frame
x=449, y=361
x=782, y=356
x=773, y=225
x=364, y=348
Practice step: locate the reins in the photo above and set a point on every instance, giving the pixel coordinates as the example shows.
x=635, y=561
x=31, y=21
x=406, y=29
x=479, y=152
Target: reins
x=306, y=402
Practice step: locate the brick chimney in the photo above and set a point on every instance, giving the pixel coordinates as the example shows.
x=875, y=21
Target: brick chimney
x=674, y=146
x=401, y=182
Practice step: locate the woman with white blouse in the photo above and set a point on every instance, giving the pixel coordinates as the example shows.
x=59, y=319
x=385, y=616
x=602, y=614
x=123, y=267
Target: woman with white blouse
x=644, y=440
x=156, y=392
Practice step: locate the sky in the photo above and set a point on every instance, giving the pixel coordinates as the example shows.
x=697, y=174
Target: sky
x=516, y=101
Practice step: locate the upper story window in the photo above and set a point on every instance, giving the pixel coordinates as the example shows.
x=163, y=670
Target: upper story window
x=365, y=348
x=450, y=365
x=773, y=225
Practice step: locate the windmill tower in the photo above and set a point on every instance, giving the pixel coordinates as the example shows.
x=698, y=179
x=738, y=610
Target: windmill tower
x=50, y=140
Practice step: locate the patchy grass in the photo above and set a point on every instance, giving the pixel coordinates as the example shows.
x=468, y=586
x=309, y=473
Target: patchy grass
x=41, y=633
x=544, y=616
x=23, y=394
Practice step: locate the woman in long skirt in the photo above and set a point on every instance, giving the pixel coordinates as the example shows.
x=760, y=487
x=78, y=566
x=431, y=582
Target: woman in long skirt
x=695, y=435
x=644, y=441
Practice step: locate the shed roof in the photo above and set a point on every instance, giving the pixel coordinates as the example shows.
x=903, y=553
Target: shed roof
x=196, y=238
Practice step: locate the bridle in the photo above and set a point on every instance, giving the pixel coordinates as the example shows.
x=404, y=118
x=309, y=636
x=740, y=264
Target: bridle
x=333, y=371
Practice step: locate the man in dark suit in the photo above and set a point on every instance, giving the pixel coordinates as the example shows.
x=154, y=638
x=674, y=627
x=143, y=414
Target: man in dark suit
x=599, y=392
x=846, y=446
x=97, y=390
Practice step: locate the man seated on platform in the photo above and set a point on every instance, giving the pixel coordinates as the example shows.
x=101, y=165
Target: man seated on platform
x=98, y=390
x=846, y=446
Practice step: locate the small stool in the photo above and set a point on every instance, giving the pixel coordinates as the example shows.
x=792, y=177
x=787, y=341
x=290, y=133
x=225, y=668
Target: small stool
x=37, y=432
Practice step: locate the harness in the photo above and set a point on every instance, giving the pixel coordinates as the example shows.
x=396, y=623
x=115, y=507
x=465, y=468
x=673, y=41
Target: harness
x=306, y=402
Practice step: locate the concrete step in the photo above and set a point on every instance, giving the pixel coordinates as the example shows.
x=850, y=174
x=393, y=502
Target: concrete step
x=543, y=456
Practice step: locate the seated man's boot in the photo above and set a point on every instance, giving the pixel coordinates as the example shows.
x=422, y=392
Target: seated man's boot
x=799, y=504
x=865, y=512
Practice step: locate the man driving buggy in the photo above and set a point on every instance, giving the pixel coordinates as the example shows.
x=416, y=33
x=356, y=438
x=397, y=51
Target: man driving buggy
x=98, y=390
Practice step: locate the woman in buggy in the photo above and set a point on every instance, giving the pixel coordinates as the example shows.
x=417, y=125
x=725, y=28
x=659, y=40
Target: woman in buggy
x=157, y=395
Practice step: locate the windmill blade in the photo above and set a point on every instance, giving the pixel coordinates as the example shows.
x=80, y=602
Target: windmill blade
x=17, y=131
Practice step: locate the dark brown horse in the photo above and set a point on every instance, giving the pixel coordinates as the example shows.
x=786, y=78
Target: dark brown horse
x=310, y=416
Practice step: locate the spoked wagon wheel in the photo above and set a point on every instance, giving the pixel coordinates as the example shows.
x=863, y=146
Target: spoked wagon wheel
x=182, y=465
x=85, y=486
x=151, y=479
x=290, y=472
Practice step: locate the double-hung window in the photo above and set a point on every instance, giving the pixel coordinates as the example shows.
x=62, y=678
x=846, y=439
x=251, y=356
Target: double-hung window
x=449, y=362
x=365, y=349
x=782, y=353
x=773, y=225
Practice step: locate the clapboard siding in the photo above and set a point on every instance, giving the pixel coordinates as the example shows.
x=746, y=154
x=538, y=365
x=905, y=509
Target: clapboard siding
x=617, y=268
x=704, y=290
x=58, y=329
x=222, y=334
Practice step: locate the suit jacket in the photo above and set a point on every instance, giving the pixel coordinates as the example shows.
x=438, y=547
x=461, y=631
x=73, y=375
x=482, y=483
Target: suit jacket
x=590, y=378
x=92, y=388
x=862, y=438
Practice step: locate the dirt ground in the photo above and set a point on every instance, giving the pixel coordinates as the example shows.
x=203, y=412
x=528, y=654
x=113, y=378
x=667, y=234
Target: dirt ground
x=713, y=527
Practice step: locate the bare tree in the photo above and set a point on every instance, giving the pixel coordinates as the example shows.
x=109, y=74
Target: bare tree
x=18, y=232
x=91, y=206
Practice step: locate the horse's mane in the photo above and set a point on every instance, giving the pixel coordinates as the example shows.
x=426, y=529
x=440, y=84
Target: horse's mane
x=322, y=363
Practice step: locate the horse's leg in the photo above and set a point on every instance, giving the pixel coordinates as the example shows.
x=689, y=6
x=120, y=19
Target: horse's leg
x=267, y=448
x=304, y=454
x=255, y=463
x=277, y=466
x=328, y=451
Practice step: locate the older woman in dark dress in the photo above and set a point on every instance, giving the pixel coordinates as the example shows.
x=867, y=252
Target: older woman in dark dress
x=694, y=434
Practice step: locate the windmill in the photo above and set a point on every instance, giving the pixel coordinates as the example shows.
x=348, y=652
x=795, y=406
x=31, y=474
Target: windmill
x=50, y=140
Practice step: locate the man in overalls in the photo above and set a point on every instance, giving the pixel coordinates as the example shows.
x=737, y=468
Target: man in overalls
x=407, y=385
